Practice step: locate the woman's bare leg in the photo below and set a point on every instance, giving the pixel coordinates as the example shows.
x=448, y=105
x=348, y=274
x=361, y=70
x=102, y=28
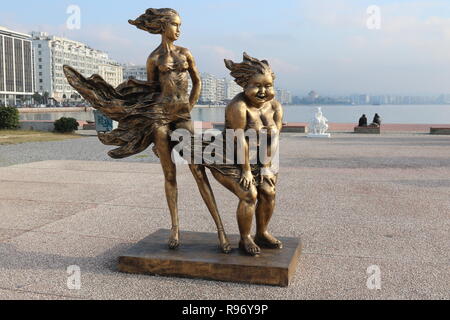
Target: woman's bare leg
x=164, y=152
x=245, y=211
x=201, y=178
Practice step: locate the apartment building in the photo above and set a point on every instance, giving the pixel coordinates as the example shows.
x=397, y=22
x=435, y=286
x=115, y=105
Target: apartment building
x=52, y=53
x=16, y=68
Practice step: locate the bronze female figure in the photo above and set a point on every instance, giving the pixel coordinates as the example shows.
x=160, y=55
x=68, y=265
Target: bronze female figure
x=148, y=112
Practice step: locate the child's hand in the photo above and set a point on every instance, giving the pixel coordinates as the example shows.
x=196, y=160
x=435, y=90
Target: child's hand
x=269, y=176
x=247, y=180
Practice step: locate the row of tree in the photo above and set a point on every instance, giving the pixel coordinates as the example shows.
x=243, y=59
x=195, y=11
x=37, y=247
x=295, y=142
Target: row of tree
x=41, y=99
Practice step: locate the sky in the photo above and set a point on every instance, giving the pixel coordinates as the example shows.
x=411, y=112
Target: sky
x=321, y=45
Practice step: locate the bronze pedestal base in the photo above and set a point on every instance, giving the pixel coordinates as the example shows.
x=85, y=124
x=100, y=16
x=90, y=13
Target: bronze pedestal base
x=199, y=257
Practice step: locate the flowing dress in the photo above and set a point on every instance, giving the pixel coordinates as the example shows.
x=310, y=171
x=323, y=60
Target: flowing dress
x=135, y=105
x=139, y=109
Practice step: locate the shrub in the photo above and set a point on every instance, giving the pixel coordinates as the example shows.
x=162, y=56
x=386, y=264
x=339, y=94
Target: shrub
x=9, y=118
x=64, y=125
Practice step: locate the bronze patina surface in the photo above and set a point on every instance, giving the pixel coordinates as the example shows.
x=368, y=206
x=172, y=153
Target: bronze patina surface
x=200, y=258
x=149, y=112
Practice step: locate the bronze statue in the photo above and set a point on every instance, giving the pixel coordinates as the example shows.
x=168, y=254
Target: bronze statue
x=254, y=185
x=148, y=112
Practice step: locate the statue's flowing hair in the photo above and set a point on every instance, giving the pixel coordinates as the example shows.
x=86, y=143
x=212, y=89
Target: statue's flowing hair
x=154, y=20
x=242, y=72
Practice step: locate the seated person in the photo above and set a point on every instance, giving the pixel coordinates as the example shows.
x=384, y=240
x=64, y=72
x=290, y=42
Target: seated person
x=376, y=121
x=362, y=121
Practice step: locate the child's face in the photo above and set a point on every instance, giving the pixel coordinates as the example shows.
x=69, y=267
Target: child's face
x=260, y=89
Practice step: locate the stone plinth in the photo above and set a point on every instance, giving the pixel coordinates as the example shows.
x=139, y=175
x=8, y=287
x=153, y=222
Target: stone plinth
x=319, y=135
x=37, y=125
x=441, y=131
x=200, y=257
x=89, y=126
x=368, y=130
x=294, y=128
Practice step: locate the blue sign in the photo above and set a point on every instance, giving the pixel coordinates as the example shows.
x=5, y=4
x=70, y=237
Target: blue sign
x=102, y=122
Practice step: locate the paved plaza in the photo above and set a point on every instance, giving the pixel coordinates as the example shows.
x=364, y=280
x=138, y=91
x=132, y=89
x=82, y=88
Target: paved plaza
x=355, y=201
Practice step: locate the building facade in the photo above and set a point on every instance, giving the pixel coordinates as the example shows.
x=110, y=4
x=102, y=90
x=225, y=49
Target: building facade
x=283, y=96
x=131, y=71
x=16, y=68
x=52, y=53
x=209, y=88
x=218, y=90
x=232, y=89
x=111, y=72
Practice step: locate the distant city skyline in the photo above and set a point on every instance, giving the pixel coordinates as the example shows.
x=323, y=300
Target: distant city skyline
x=312, y=44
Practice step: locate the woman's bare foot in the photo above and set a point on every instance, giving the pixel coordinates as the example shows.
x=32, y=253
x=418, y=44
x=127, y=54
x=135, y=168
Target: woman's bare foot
x=174, y=240
x=224, y=243
x=266, y=240
x=249, y=246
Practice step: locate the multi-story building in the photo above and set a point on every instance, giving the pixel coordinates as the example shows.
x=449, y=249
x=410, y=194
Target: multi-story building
x=209, y=88
x=232, y=89
x=134, y=72
x=217, y=90
x=111, y=72
x=52, y=52
x=221, y=89
x=360, y=99
x=283, y=96
x=16, y=68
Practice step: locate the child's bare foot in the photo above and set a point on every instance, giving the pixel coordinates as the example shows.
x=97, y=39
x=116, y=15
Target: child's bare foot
x=266, y=240
x=249, y=246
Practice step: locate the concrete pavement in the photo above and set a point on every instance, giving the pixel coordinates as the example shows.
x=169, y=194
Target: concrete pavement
x=355, y=201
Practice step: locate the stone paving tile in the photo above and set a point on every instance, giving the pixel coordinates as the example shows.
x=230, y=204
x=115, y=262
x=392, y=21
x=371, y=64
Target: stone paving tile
x=354, y=202
x=118, y=222
x=318, y=277
x=26, y=295
x=52, y=175
x=64, y=192
x=96, y=166
x=34, y=257
x=6, y=234
x=29, y=214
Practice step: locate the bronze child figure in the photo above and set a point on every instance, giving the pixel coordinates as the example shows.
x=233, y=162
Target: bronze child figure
x=254, y=184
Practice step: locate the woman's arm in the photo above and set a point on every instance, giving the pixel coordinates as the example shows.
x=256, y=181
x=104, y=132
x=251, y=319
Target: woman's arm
x=195, y=76
x=152, y=70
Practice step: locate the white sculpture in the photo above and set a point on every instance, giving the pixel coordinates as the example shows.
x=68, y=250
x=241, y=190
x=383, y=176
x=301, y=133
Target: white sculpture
x=319, y=126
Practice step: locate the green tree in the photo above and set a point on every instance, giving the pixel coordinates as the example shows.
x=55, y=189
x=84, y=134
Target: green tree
x=45, y=97
x=38, y=98
x=9, y=118
x=64, y=125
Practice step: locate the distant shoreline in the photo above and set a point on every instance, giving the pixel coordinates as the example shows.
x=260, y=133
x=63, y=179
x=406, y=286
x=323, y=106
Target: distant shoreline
x=215, y=114
x=198, y=106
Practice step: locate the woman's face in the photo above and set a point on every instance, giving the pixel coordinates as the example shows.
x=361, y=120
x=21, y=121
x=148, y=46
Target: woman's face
x=172, y=28
x=260, y=89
